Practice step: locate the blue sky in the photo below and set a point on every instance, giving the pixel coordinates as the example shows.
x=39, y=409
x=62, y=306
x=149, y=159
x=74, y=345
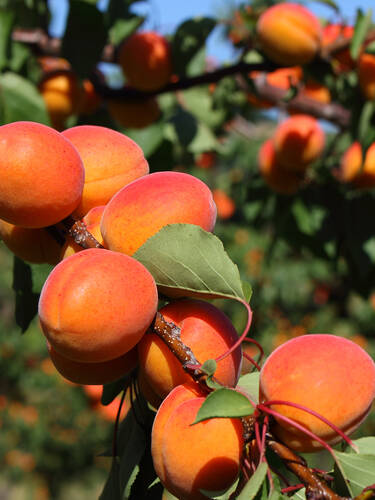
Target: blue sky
x=165, y=15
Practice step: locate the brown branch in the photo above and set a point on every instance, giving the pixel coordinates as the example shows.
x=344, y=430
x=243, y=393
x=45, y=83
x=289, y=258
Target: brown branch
x=76, y=229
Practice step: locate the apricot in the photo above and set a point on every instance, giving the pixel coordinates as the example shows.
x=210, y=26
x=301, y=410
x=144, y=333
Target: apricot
x=282, y=78
x=299, y=140
x=111, y=161
x=209, y=456
x=96, y=305
x=134, y=114
x=90, y=100
x=342, y=59
x=289, y=34
x=328, y=374
x=143, y=207
x=145, y=59
x=224, y=203
x=93, y=373
x=41, y=175
x=352, y=170
x=206, y=330
x=278, y=178
x=92, y=220
x=206, y=160
x=366, y=75
x=32, y=245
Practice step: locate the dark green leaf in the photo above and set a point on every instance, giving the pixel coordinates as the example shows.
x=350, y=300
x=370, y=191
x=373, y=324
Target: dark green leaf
x=252, y=487
x=370, y=48
x=361, y=27
x=185, y=126
x=112, y=489
x=84, y=38
x=308, y=218
x=7, y=18
x=365, y=133
x=185, y=258
x=110, y=391
x=21, y=100
x=123, y=28
x=209, y=367
x=224, y=403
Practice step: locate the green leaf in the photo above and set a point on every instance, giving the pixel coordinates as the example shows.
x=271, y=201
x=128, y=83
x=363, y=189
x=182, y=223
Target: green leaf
x=7, y=18
x=188, y=39
x=185, y=126
x=199, y=102
x=21, y=100
x=204, y=140
x=309, y=219
x=361, y=27
x=209, y=367
x=370, y=48
x=358, y=469
x=112, y=489
x=249, y=383
x=148, y=139
x=369, y=248
x=123, y=28
x=365, y=133
x=191, y=261
x=366, y=445
x=84, y=38
x=247, y=290
x=110, y=391
x=299, y=495
x=330, y=3
x=252, y=487
x=224, y=403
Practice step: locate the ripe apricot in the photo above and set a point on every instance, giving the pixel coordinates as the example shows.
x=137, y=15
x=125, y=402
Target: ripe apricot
x=41, y=175
x=277, y=177
x=96, y=305
x=289, y=34
x=328, y=374
x=224, y=203
x=366, y=75
x=144, y=206
x=342, y=59
x=93, y=373
x=299, y=140
x=134, y=114
x=111, y=161
x=352, y=170
x=317, y=91
x=209, y=456
x=145, y=59
x=282, y=78
x=32, y=245
x=206, y=330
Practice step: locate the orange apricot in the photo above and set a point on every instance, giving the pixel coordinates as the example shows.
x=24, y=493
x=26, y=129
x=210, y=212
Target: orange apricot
x=206, y=330
x=282, y=78
x=366, y=75
x=134, y=114
x=32, y=245
x=317, y=91
x=41, y=175
x=145, y=59
x=342, y=59
x=93, y=373
x=143, y=207
x=299, y=140
x=289, y=34
x=209, y=456
x=205, y=160
x=96, y=305
x=90, y=100
x=224, y=203
x=111, y=161
x=278, y=178
x=328, y=374
x=352, y=170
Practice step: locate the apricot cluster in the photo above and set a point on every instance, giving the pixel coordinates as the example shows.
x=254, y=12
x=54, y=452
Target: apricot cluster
x=284, y=159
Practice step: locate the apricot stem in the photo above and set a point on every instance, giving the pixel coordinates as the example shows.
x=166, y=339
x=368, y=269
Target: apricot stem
x=77, y=230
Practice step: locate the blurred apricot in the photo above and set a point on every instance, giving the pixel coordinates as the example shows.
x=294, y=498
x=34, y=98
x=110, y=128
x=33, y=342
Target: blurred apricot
x=225, y=204
x=342, y=59
x=366, y=75
x=205, y=160
x=134, y=114
x=353, y=169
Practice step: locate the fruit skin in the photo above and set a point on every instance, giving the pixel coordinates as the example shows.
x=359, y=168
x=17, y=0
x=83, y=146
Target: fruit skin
x=342, y=60
x=206, y=330
x=41, y=175
x=96, y=305
x=366, y=75
x=277, y=177
x=298, y=141
x=143, y=207
x=145, y=58
x=207, y=458
x=351, y=163
x=282, y=78
x=328, y=374
x=134, y=114
x=93, y=373
x=32, y=245
x=289, y=34
x=224, y=203
x=111, y=161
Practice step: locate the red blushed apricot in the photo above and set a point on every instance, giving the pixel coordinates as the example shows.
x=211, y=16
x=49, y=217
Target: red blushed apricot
x=134, y=114
x=92, y=220
x=32, y=245
x=289, y=34
x=224, y=203
x=328, y=374
x=146, y=205
x=209, y=456
x=111, y=161
x=41, y=175
x=298, y=141
x=206, y=330
x=93, y=373
x=96, y=305
x=366, y=75
x=145, y=59
x=278, y=178
x=342, y=59
x=352, y=170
